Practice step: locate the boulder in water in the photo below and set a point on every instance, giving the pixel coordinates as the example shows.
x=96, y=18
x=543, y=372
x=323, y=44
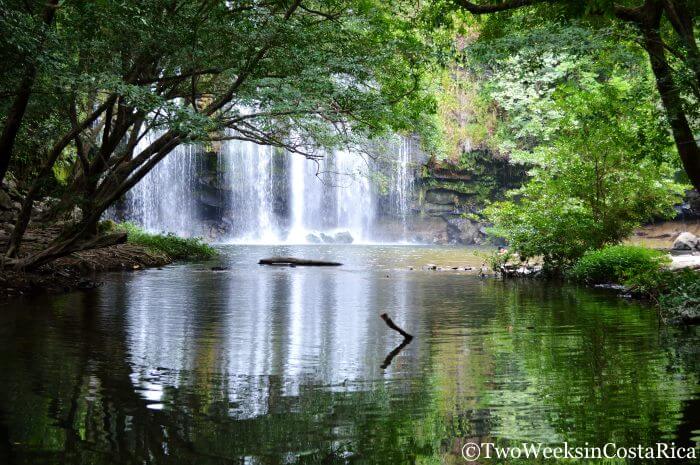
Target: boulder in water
x=326, y=238
x=686, y=241
x=343, y=237
x=312, y=238
x=462, y=230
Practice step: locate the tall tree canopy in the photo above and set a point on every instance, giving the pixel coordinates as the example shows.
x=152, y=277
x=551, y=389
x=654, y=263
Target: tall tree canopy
x=665, y=29
x=85, y=82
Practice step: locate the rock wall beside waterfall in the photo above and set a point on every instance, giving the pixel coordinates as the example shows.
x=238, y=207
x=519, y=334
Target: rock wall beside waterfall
x=448, y=197
x=392, y=192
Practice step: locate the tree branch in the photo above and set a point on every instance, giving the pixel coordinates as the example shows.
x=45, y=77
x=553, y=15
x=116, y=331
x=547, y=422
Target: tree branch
x=494, y=8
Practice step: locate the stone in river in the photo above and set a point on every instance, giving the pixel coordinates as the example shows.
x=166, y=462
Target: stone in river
x=686, y=241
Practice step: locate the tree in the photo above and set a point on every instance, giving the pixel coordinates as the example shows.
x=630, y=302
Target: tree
x=297, y=75
x=663, y=26
x=604, y=173
x=15, y=114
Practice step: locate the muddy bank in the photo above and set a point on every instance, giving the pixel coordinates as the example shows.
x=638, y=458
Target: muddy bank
x=76, y=271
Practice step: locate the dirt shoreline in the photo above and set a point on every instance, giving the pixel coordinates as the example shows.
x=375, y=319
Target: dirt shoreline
x=79, y=270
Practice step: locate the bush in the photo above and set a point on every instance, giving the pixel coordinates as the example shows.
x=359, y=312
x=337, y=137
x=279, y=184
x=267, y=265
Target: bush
x=677, y=293
x=620, y=264
x=175, y=247
x=679, y=296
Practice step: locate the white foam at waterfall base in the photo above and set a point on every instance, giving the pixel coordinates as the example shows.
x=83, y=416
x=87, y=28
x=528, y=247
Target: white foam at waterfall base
x=331, y=195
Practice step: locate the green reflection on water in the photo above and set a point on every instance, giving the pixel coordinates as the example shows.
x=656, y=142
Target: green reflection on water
x=491, y=362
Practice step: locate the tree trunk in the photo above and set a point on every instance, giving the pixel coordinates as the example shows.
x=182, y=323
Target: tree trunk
x=14, y=118
x=683, y=136
x=66, y=246
x=28, y=202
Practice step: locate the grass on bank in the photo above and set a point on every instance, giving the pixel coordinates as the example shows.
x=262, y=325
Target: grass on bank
x=177, y=248
x=644, y=272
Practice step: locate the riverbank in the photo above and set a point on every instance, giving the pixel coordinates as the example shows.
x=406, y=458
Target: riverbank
x=667, y=278
x=78, y=270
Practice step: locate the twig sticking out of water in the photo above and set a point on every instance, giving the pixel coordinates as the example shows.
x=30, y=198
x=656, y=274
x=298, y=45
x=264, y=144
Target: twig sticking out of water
x=406, y=339
x=393, y=326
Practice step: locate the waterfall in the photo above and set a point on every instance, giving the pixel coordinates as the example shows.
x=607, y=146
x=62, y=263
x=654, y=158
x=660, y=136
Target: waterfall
x=248, y=193
x=402, y=178
x=330, y=195
x=163, y=201
x=298, y=181
x=249, y=182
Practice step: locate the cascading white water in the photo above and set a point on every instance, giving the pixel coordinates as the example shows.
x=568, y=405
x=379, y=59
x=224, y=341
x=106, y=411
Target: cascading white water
x=246, y=172
x=163, y=200
x=249, y=193
x=331, y=194
x=402, y=178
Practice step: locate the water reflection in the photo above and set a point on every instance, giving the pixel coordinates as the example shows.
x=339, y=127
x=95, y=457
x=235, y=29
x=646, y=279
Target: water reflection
x=277, y=365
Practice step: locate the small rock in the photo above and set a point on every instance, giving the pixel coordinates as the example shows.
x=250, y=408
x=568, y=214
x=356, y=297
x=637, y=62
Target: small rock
x=343, y=237
x=9, y=183
x=313, y=238
x=431, y=266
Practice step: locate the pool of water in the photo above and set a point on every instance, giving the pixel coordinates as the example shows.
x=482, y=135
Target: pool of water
x=278, y=365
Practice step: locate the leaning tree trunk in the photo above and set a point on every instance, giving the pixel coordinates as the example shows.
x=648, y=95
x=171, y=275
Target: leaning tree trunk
x=14, y=117
x=683, y=136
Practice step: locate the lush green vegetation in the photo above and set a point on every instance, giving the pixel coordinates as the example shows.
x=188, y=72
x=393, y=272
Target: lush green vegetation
x=644, y=272
x=572, y=98
x=679, y=293
x=617, y=264
x=603, y=173
x=177, y=248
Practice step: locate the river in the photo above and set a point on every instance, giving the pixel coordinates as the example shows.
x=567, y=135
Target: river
x=274, y=365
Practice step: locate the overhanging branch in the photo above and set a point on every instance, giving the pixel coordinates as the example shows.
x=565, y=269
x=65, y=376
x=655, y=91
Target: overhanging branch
x=495, y=7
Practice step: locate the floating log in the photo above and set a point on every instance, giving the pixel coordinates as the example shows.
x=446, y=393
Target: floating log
x=291, y=261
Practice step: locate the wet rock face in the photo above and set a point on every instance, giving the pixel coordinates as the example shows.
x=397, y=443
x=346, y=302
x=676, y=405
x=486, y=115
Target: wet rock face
x=686, y=241
x=690, y=208
x=462, y=230
x=443, y=196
